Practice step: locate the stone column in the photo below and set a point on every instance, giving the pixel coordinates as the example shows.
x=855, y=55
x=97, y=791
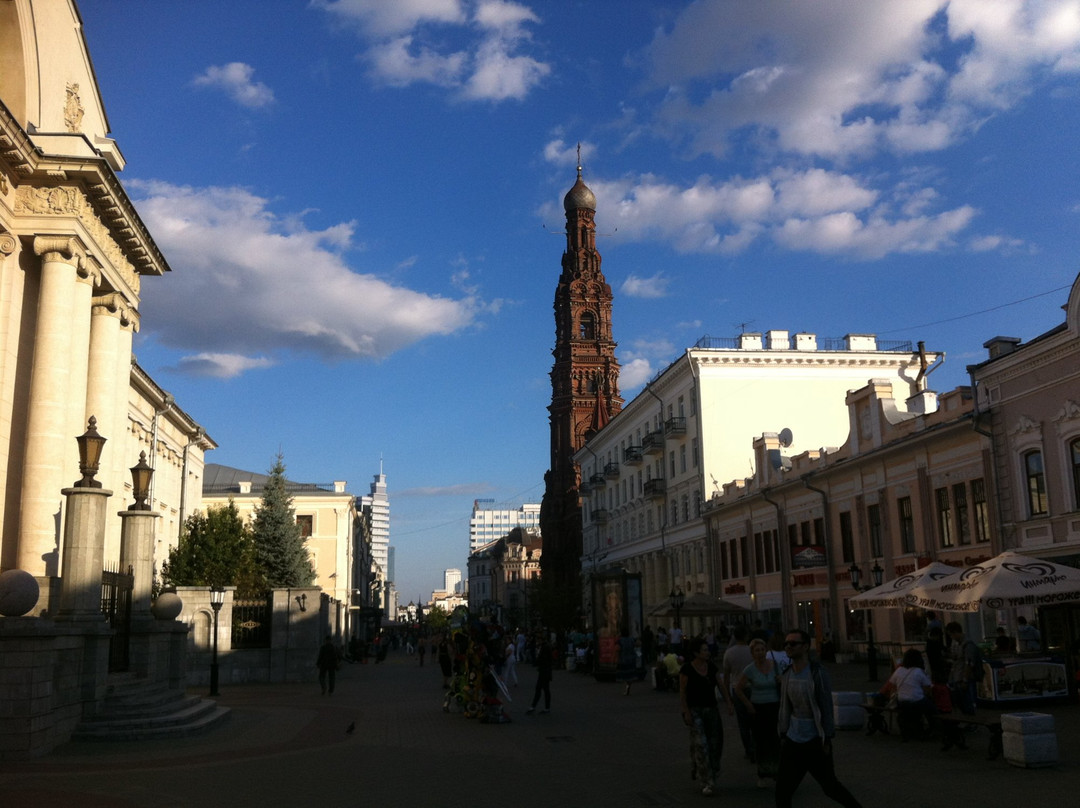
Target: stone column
x=84, y=554
x=79, y=354
x=137, y=530
x=47, y=440
x=103, y=399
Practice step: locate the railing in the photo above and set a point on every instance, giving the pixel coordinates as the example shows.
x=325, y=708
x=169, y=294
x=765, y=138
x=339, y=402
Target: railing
x=655, y=488
x=597, y=481
x=633, y=456
x=653, y=443
x=116, y=588
x=251, y=623
x=675, y=425
x=611, y=471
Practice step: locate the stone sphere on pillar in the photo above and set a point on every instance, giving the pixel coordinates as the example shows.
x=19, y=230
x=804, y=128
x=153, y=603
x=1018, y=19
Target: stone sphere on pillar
x=167, y=606
x=19, y=592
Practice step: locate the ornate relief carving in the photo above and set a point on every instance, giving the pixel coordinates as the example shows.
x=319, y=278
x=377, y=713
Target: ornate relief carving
x=1024, y=425
x=73, y=109
x=68, y=201
x=1070, y=412
x=7, y=243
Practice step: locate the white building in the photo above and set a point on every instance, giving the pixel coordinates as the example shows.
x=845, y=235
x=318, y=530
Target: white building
x=378, y=503
x=488, y=524
x=645, y=475
x=451, y=580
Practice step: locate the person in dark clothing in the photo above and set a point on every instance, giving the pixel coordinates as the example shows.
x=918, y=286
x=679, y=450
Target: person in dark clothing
x=327, y=664
x=543, y=676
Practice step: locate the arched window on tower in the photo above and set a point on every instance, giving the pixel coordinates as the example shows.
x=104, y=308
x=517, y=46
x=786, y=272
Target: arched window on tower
x=587, y=327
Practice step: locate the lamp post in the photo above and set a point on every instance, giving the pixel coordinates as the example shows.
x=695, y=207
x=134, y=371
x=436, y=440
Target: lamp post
x=90, y=446
x=217, y=597
x=141, y=474
x=677, y=599
x=871, y=649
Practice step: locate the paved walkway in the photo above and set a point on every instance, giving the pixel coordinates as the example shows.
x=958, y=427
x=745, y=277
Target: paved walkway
x=285, y=745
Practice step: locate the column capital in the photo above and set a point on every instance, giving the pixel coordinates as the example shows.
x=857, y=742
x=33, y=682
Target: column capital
x=57, y=249
x=8, y=243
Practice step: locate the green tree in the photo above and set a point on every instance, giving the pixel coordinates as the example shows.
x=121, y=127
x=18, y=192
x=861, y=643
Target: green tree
x=215, y=549
x=436, y=619
x=279, y=548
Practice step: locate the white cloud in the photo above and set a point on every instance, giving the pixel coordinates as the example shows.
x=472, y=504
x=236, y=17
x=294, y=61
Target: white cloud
x=472, y=47
x=246, y=285
x=221, y=365
x=235, y=80
x=648, y=288
x=560, y=153
x=635, y=373
x=811, y=210
x=850, y=78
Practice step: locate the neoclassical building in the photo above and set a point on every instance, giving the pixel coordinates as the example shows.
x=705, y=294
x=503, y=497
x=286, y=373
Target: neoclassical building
x=73, y=256
x=646, y=474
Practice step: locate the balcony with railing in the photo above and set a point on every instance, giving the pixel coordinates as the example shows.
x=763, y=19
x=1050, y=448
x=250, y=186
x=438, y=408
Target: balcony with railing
x=655, y=489
x=585, y=487
x=675, y=425
x=597, y=481
x=611, y=471
x=653, y=443
x=633, y=456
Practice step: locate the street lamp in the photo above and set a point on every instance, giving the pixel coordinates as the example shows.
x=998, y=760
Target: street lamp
x=90, y=446
x=141, y=474
x=217, y=597
x=677, y=599
x=871, y=649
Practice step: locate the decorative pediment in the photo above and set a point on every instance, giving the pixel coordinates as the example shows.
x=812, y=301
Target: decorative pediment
x=1024, y=425
x=1070, y=412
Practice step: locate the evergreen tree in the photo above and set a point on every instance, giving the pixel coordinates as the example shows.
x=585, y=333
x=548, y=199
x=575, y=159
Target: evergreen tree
x=215, y=549
x=279, y=548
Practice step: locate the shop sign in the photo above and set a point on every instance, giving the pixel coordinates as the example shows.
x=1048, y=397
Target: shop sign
x=806, y=557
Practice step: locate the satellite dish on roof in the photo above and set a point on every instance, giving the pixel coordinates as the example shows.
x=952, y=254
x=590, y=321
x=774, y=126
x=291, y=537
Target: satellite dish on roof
x=785, y=437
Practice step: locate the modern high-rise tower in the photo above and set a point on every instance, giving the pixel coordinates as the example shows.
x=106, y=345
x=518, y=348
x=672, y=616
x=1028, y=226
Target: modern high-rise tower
x=584, y=385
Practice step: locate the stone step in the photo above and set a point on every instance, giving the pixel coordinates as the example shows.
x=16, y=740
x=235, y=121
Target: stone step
x=208, y=716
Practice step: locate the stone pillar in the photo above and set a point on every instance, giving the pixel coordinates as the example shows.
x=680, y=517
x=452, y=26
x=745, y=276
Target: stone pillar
x=48, y=437
x=78, y=349
x=84, y=554
x=103, y=394
x=137, y=532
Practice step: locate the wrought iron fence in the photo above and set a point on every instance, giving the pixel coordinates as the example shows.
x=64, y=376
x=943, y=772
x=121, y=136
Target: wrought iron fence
x=251, y=622
x=116, y=590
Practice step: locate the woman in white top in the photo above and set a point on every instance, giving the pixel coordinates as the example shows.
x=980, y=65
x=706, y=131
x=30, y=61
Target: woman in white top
x=912, y=693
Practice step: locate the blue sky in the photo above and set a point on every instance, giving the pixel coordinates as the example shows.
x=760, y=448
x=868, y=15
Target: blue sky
x=361, y=204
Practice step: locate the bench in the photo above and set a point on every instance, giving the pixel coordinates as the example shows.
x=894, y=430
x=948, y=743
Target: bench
x=953, y=725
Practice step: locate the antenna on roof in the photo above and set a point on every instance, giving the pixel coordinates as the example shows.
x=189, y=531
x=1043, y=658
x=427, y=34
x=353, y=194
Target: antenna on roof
x=742, y=326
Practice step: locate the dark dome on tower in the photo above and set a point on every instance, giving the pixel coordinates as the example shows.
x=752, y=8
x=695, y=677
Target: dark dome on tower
x=579, y=196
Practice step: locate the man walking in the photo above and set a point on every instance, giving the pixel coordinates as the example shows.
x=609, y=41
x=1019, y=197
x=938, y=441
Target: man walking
x=543, y=677
x=965, y=670
x=806, y=726
x=327, y=663
x=736, y=658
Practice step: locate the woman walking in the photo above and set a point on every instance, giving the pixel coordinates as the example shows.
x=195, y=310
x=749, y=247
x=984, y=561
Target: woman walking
x=627, y=669
x=699, y=680
x=758, y=687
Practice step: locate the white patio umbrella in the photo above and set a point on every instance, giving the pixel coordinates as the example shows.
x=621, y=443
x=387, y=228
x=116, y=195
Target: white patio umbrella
x=892, y=593
x=1004, y=582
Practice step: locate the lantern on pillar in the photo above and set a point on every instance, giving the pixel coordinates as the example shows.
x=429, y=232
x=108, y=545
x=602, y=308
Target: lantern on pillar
x=141, y=474
x=90, y=446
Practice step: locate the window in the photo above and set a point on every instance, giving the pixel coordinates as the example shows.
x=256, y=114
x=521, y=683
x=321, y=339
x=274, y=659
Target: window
x=907, y=525
x=694, y=453
x=587, y=327
x=724, y=571
x=847, y=539
x=744, y=554
x=982, y=516
x=682, y=407
x=674, y=512
x=1074, y=456
x=671, y=455
x=1036, y=484
x=963, y=528
x=697, y=503
x=307, y=525
x=685, y=508
x=941, y=496
x=759, y=554
x=682, y=458
x=873, y=520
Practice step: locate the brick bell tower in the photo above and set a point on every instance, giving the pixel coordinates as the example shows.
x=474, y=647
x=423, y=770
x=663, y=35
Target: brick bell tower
x=584, y=387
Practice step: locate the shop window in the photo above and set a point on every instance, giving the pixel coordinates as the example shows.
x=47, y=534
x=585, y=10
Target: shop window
x=1036, y=484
